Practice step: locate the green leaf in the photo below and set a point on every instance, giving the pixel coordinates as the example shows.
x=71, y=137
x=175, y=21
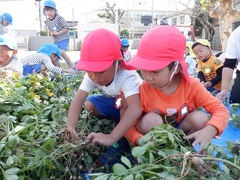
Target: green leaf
x=5, y=108
x=11, y=177
x=49, y=144
x=120, y=169
x=49, y=164
x=226, y=169
x=101, y=177
x=162, y=153
x=96, y=128
x=2, y=145
x=126, y=161
x=138, y=151
x=170, y=137
x=43, y=174
x=11, y=171
x=10, y=161
x=139, y=177
x=151, y=157
x=146, y=138
x=129, y=177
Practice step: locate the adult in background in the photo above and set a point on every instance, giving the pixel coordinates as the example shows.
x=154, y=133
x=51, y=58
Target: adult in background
x=231, y=62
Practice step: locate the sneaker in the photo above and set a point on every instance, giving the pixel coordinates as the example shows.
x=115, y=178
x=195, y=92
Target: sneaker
x=114, y=153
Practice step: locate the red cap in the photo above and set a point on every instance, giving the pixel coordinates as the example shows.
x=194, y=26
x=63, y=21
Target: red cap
x=99, y=50
x=159, y=47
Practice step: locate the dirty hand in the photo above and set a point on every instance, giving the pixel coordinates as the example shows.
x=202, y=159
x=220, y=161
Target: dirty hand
x=71, y=135
x=222, y=95
x=202, y=137
x=203, y=83
x=101, y=139
x=208, y=84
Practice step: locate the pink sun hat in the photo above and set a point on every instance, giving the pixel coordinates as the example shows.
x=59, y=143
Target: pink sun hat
x=99, y=50
x=159, y=47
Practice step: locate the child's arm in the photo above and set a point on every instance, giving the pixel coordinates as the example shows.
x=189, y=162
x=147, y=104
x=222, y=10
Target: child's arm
x=132, y=113
x=218, y=121
x=75, y=111
x=58, y=33
x=218, y=78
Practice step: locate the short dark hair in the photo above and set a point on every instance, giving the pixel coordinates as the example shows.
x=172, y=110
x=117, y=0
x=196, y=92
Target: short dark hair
x=171, y=65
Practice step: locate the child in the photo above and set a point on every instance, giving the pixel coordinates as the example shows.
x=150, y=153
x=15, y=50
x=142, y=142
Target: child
x=190, y=61
x=124, y=49
x=8, y=51
x=47, y=55
x=5, y=20
x=107, y=71
x=58, y=29
x=169, y=94
x=209, y=67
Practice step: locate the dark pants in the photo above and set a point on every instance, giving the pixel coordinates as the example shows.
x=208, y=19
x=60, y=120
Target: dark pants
x=234, y=95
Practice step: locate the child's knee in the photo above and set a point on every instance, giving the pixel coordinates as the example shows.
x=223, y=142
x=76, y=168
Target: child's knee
x=149, y=121
x=89, y=106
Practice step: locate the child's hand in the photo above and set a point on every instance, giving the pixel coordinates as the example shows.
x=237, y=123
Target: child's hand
x=71, y=135
x=101, y=139
x=222, y=95
x=54, y=33
x=208, y=84
x=202, y=137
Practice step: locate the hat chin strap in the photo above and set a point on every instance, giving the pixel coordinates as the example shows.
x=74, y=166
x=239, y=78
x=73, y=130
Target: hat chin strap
x=170, y=79
x=116, y=67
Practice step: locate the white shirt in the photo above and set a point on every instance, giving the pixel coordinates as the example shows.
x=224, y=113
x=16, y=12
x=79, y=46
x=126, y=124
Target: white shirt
x=3, y=29
x=15, y=65
x=191, y=65
x=41, y=58
x=126, y=81
x=233, y=46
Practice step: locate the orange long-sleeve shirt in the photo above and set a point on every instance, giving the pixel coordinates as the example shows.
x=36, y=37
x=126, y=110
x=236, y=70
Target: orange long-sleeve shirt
x=194, y=95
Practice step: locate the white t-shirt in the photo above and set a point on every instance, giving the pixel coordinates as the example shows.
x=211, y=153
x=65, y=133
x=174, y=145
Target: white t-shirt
x=233, y=46
x=3, y=29
x=191, y=65
x=126, y=81
x=14, y=65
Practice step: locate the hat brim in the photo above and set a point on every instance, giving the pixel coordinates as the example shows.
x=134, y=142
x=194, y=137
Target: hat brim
x=92, y=66
x=147, y=64
x=153, y=65
x=7, y=44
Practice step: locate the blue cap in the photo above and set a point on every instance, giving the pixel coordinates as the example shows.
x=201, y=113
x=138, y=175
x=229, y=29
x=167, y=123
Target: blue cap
x=49, y=49
x=125, y=42
x=50, y=3
x=7, y=40
x=8, y=18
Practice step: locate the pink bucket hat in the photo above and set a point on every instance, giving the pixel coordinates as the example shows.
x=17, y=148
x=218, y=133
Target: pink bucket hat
x=99, y=50
x=159, y=47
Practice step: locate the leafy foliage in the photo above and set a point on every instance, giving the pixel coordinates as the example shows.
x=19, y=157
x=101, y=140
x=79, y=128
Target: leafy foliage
x=163, y=154
x=33, y=113
x=33, y=143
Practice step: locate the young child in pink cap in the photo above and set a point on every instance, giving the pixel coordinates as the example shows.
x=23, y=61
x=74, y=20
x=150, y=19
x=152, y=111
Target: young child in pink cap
x=169, y=94
x=108, y=72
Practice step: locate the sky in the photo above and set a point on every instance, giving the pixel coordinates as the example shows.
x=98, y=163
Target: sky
x=77, y=7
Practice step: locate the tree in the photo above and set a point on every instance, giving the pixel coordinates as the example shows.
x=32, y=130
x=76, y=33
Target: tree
x=114, y=16
x=224, y=11
x=200, y=17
